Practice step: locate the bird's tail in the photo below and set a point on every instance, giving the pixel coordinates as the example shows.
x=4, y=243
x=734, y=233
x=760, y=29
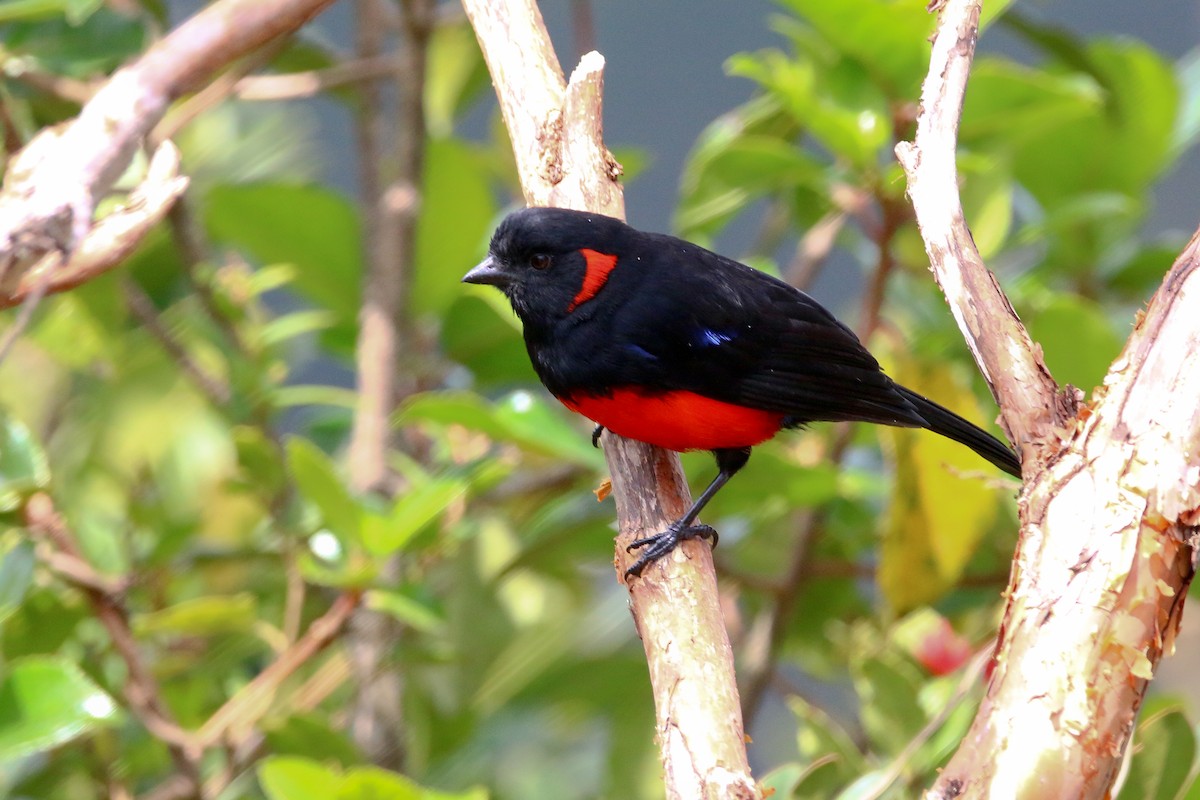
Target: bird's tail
x=952, y=426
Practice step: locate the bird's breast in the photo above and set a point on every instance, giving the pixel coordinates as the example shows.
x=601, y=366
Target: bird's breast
x=677, y=420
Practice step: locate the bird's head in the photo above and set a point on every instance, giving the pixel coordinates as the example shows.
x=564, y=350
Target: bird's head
x=551, y=261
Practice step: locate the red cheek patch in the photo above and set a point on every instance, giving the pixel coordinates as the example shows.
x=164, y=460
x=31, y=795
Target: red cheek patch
x=598, y=266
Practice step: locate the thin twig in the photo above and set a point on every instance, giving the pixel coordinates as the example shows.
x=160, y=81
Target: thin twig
x=241, y=712
x=143, y=310
x=295, y=85
x=141, y=689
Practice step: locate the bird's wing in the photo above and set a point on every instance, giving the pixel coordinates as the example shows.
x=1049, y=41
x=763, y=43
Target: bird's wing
x=738, y=335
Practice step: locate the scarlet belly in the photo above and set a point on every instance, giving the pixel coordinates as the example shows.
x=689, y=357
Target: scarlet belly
x=678, y=420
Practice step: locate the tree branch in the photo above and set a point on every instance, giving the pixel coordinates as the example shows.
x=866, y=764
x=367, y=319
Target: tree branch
x=111, y=240
x=556, y=134
x=1032, y=409
x=52, y=190
x=141, y=689
x=1104, y=556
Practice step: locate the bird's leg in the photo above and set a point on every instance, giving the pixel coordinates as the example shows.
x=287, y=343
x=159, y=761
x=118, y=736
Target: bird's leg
x=660, y=544
x=599, y=429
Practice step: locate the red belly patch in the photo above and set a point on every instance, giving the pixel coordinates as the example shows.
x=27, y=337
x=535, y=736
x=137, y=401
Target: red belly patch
x=678, y=420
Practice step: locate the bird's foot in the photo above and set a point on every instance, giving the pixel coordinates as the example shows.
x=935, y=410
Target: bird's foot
x=596, y=435
x=660, y=544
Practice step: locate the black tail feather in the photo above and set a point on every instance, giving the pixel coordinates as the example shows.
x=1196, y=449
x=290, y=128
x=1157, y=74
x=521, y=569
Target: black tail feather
x=952, y=426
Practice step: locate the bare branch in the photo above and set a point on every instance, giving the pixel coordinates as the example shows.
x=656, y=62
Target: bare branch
x=141, y=689
x=391, y=191
x=237, y=719
x=1032, y=410
x=556, y=133
x=51, y=191
x=1105, y=555
x=113, y=238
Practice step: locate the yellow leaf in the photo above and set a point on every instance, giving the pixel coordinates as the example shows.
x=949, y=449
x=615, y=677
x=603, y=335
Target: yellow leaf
x=940, y=509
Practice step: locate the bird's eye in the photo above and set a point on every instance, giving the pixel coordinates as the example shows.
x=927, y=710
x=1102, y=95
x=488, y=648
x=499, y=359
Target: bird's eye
x=539, y=261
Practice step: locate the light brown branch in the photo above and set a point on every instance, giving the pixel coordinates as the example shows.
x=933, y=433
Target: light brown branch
x=112, y=239
x=143, y=310
x=237, y=718
x=293, y=85
x=1032, y=410
x=52, y=190
x=141, y=689
x=557, y=139
x=391, y=190
x=1104, y=555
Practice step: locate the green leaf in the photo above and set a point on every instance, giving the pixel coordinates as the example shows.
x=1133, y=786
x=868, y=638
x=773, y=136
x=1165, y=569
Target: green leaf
x=314, y=736
x=373, y=783
x=401, y=607
x=707, y=202
x=887, y=689
x=298, y=323
x=16, y=575
x=316, y=395
x=521, y=417
x=828, y=753
x=939, y=509
x=291, y=778
x=259, y=458
x=312, y=229
x=455, y=74
x=457, y=211
x=420, y=505
x=23, y=467
x=201, y=616
x=1187, y=125
x=47, y=701
x=480, y=331
x=987, y=198
x=319, y=483
x=889, y=38
x=762, y=163
x=1164, y=749
x=1076, y=336
x=837, y=103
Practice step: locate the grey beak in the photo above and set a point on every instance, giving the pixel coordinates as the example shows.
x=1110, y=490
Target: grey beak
x=487, y=272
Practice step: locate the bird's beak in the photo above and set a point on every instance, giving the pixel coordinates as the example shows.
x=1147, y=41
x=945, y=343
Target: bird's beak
x=487, y=272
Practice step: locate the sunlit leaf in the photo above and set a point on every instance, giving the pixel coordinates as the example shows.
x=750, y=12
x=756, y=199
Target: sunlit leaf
x=291, y=778
x=16, y=575
x=455, y=74
x=403, y=608
x=319, y=482
x=46, y=701
x=940, y=509
x=887, y=37
x=521, y=417
x=412, y=511
x=23, y=467
x=200, y=616
x=1164, y=750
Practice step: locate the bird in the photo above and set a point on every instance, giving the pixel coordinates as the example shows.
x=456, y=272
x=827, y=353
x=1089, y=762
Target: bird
x=660, y=340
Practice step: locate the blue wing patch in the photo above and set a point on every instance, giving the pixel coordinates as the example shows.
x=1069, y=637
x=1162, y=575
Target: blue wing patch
x=707, y=337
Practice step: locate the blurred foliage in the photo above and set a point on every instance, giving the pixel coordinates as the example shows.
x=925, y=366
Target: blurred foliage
x=230, y=526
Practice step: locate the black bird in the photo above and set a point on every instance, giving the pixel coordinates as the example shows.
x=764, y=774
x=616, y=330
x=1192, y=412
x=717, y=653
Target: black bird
x=660, y=340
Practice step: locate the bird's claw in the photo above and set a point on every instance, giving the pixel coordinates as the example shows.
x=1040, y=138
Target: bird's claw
x=599, y=429
x=660, y=544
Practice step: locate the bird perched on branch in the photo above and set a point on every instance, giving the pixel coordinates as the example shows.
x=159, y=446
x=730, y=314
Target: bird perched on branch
x=663, y=341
